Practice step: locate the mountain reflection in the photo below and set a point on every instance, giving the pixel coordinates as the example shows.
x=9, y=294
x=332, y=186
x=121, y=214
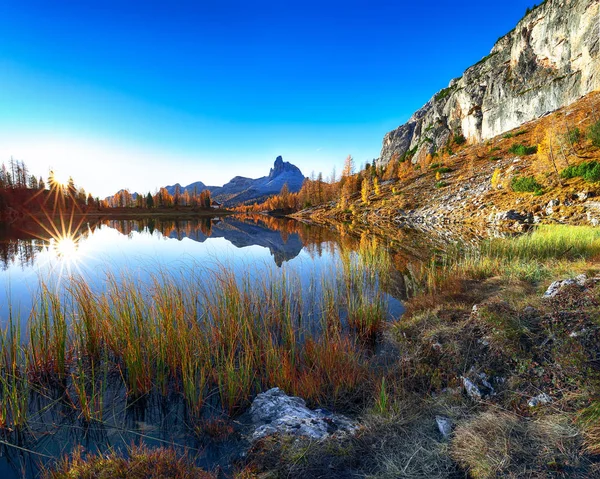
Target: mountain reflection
x=284, y=238
x=281, y=237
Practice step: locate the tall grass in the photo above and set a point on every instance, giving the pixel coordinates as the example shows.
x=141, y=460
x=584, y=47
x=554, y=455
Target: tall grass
x=531, y=257
x=14, y=382
x=216, y=336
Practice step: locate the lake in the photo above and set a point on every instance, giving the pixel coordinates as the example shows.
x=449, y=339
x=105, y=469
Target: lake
x=259, y=252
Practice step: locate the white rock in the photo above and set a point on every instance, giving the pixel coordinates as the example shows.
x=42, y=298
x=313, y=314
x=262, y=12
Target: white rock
x=274, y=412
x=576, y=334
x=538, y=400
x=556, y=286
x=549, y=60
x=471, y=388
x=444, y=425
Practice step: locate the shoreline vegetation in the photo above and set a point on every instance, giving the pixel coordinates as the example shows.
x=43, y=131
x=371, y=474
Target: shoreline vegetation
x=513, y=374
x=476, y=316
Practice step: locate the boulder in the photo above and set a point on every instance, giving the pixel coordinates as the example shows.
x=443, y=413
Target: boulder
x=478, y=385
x=550, y=206
x=274, y=412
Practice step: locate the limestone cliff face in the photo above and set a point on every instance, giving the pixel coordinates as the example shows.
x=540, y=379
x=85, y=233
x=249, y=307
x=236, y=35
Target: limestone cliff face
x=548, y=61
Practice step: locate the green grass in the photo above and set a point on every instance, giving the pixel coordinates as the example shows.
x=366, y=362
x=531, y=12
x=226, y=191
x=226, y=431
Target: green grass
x=534, y=256
x=589, y=419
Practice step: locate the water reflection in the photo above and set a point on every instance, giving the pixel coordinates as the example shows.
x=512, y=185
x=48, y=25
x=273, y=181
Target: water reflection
x=279, y=236
x=285, y=239
x=288, y=247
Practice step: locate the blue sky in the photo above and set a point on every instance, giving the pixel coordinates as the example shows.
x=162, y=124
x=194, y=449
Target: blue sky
x=143, y=94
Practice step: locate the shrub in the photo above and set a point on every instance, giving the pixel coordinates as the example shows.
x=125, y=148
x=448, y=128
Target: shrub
x=441, y=184
x=588, y=170
x=522, y=150
x=593, y=134
x=593, y=174
x=495, y=158
x=525, y=184
x=573, y=136
x=509, y=135
x=443, y=169
x=459, y=139
x=445, y=93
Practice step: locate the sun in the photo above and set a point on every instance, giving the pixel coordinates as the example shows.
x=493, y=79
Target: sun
x=65, y=248
x=58, y=178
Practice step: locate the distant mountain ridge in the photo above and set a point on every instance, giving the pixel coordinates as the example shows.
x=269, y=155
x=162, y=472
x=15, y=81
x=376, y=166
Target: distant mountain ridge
x=242, y=190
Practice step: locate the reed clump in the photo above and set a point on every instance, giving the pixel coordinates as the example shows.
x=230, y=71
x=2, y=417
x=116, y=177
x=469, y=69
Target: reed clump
x=207, y=335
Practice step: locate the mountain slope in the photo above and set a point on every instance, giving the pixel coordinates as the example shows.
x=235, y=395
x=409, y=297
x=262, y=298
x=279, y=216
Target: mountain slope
x=548, y=61
x=476, y=185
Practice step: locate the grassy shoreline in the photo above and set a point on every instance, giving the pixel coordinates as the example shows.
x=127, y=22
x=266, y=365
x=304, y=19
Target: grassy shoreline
x=241, y=338
x=478, y=313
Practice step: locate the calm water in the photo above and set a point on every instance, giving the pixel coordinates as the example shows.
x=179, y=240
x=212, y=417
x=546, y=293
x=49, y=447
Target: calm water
x=251, y=244
x=52, y=254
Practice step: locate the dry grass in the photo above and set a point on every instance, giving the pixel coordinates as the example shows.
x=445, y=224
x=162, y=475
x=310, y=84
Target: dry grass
x=474, y=165
x=139, y=463
x=589, y=418
x=404, y=443
x=500, y=444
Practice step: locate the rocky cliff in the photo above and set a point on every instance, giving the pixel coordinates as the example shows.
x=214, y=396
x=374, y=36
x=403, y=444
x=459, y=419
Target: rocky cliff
x=548, y=61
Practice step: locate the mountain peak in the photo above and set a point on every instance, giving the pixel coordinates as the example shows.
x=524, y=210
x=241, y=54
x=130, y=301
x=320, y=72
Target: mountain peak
x=280, y=167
